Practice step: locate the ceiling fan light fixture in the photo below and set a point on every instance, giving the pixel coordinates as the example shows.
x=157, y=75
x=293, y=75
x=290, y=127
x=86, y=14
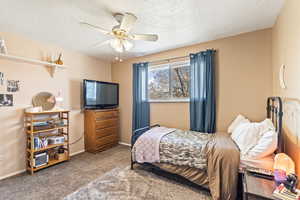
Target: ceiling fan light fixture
x=120, y=45
x=127, y=45
x=118, y=59
x=117, y=45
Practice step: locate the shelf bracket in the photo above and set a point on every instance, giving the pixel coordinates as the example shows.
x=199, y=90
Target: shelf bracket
x=51, y=70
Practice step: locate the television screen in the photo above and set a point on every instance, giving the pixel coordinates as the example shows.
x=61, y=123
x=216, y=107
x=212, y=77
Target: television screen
x=99, y=94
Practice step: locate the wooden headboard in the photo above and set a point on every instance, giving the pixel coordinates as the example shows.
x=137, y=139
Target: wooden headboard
x=275, y=113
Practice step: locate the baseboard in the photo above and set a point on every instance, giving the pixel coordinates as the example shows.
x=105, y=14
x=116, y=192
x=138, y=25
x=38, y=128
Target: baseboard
x=24, y=170
x=126, y=144
x=77, y=152
x=13, y=174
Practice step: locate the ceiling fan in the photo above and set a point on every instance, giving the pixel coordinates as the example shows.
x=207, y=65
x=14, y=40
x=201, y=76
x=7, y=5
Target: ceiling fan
x=122, y=38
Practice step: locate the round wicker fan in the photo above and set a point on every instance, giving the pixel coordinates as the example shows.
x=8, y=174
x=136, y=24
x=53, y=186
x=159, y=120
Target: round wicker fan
x=45, y=100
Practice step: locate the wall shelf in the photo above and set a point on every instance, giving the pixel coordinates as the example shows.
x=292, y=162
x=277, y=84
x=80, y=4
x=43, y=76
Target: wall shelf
x=53, y=66
x=30, y=60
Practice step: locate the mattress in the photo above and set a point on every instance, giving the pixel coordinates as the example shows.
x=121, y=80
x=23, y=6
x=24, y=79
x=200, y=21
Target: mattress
x=200, y=176
x=264, y=163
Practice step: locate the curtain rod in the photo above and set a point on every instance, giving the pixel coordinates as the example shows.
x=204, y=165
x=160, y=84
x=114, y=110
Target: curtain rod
x=168, y=59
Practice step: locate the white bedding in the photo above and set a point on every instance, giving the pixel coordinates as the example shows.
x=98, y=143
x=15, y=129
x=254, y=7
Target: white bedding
x=255, y=140
x=263, y=163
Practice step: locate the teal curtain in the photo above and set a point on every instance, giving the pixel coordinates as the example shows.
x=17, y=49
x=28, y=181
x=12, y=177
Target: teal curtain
x=141, y=107
x=202, y=92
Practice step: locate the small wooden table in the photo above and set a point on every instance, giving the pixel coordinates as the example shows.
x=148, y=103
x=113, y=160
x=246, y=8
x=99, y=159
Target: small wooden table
x=257, y=188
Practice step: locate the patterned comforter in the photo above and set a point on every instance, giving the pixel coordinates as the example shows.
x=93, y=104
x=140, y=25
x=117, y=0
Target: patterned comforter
x=178, y=147
x=197, y=155
x=185, y=148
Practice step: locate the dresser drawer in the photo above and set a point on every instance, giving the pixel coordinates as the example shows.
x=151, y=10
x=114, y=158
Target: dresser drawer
x=106, y=115
x=106, y=132
x=106, y=123
x=106, y=140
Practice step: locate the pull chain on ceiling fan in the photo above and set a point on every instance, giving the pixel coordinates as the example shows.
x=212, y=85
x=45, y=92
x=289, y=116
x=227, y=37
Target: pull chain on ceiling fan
x=122, y=38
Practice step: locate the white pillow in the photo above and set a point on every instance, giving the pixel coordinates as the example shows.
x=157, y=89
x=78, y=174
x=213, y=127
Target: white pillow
x=266, y=126
x=240, y=119
x=248, y=135
x=266, y=146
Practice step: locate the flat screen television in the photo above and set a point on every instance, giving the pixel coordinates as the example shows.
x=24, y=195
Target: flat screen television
x=100, y=95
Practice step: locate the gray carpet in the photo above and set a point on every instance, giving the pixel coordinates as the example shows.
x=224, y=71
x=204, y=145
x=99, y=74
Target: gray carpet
x=126, y=184
x=60, y=180
x=63, y=179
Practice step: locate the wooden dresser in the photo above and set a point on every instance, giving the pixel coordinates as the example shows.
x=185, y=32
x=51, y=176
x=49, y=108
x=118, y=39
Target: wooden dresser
x=101, y=129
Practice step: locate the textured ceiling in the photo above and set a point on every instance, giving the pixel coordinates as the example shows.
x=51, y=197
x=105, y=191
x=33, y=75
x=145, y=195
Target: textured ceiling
x=177, y=22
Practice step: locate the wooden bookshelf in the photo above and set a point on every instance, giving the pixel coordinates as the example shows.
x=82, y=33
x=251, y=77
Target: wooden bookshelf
x=56, y=129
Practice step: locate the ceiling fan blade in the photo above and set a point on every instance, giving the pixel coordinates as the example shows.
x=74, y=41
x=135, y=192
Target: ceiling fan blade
x=147, y=37
x=128, y=21
x=101, y=43
x=96, y=28
x=127, y=45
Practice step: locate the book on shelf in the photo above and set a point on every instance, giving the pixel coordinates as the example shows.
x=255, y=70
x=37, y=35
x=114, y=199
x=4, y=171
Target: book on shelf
x=40, y=143
x=40, y=126
x=37, y=124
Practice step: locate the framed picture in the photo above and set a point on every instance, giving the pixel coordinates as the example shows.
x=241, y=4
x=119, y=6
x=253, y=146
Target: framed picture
x=13, y=86
x=6, y=100
x=1, y=78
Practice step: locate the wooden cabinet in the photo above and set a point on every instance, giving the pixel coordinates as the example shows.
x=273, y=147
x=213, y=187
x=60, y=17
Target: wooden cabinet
x=101, y=129
x=255, y=188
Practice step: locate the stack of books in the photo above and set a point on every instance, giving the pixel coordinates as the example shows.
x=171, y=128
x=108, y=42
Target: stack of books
x=284, y=194
x=38, y=126
x=40, y=143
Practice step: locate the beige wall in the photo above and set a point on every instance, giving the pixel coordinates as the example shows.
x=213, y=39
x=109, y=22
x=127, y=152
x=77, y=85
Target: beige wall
x=243, y=74
x=34, y=79
x=286, y=48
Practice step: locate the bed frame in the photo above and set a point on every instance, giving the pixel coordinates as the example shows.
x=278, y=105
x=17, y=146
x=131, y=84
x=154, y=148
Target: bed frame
x=274, y=112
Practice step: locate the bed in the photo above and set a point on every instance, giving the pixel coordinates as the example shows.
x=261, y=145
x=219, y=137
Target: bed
x=213, y=162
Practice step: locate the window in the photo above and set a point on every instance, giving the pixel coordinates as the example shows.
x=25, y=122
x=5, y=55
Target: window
x=169, y=82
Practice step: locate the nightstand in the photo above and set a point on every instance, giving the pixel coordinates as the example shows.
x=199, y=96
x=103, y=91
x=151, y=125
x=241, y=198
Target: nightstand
x=256, y=187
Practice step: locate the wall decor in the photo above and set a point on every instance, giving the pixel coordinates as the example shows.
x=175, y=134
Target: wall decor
x=13, y=86
x=6, y=100
x=1, y=78
x=45, y=100
x=59, y=60
x=282, y=77
x=3, y=48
